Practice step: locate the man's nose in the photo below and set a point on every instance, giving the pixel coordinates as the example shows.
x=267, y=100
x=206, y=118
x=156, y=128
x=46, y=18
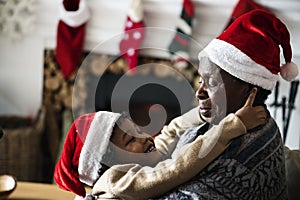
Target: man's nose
x=201, y=93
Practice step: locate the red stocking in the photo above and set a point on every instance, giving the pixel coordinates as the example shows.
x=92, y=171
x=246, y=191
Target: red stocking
x=70, y=35
x=133, y=34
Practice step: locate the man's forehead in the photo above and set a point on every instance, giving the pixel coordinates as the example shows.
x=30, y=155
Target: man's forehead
x=209, y=69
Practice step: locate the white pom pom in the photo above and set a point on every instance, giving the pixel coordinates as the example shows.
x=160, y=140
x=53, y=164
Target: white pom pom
x=289, y=71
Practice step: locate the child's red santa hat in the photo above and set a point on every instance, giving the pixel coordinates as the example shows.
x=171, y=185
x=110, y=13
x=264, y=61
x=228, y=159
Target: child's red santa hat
x=84, y=149
x=249, y=50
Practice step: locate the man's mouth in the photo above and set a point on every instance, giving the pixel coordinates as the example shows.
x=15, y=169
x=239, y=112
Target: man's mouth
x=205, y=111
x=150, y=148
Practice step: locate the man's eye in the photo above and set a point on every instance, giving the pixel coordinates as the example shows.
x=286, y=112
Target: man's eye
x=130, y=140
x=212, y=83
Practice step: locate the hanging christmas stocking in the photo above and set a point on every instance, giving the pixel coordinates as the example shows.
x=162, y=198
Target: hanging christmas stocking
x=242, y=7
x=73, y=16
x=179, y=46
x=133, y=34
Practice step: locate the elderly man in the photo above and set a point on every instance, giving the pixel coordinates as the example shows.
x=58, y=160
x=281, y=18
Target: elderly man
x=245, y=56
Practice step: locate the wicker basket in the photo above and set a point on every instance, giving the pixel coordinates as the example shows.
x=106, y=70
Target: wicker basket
x=20, y=147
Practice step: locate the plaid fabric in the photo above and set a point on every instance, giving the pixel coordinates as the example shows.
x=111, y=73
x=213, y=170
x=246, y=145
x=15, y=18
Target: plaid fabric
x=253, y=167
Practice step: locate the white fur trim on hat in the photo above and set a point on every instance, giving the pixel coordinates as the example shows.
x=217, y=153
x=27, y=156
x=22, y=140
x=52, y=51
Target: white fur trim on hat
x=136, y=11
x=95, y=146
x=238, y=64
x=289, y=71
x=79, y=198
x=74, y=18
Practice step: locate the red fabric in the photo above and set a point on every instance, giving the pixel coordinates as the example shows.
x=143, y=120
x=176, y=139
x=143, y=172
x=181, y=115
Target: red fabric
x=66, y=170
x=130, y=44
x=182, y=40
x=242, y=7
x=180, y=59
x=69, y=42
x=188, y=7
x=69, y=47
x=265, y=32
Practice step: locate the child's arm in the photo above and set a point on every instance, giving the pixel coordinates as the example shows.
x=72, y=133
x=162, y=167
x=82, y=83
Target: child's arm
x=166, y=141
x=132, y=181
x=252, y=116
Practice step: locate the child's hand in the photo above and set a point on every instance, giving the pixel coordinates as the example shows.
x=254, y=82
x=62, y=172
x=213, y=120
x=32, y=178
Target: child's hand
x=252, y=116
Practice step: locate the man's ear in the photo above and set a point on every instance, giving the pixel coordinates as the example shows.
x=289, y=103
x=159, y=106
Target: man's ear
x=258, y=99
x=246, y=90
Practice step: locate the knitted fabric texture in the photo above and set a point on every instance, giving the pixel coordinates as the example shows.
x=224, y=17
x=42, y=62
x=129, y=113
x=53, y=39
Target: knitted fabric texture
x=253, y=167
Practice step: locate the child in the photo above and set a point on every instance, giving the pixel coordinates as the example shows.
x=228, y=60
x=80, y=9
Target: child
x=87, y=143
x=89, y=136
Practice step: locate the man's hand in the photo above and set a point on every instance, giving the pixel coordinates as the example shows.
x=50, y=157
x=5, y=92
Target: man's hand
x=252, y=116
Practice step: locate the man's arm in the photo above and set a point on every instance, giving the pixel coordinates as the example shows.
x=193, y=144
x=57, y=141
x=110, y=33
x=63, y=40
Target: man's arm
x=131, y=181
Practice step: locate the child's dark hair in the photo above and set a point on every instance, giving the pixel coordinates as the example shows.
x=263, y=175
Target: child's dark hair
x=102, y=169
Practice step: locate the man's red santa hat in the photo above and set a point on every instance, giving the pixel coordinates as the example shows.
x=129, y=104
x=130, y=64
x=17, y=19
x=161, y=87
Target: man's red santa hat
x=84, y=149
x=249, y=49
x=242, y=7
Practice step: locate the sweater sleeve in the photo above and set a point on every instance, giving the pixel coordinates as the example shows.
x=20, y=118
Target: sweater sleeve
x=130, y=181
x=166, y=141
